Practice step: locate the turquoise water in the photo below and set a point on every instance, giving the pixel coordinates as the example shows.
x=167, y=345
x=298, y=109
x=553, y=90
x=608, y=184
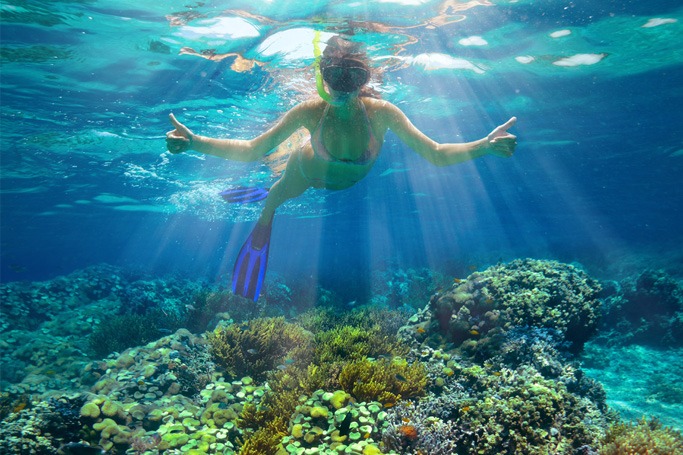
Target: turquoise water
x=87, y=86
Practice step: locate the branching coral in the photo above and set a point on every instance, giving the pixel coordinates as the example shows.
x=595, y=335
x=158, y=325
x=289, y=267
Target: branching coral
x=347, y=343
x=259, y=346
x=266, y=422
x=646, y=437
x=386, y=381
x=343, y=338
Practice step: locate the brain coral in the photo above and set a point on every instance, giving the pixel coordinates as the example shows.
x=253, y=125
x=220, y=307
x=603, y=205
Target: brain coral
x=522, y=293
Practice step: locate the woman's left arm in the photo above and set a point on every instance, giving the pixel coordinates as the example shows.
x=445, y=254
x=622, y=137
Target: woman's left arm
x=499, y=142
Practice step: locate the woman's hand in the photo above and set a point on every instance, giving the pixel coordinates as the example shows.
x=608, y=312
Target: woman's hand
x=180, y=139
x=501, y=143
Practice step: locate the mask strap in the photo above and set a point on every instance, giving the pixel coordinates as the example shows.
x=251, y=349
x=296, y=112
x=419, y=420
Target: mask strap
x=318, y=73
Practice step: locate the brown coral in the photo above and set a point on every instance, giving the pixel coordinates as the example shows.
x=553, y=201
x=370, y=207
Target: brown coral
x=256, y=347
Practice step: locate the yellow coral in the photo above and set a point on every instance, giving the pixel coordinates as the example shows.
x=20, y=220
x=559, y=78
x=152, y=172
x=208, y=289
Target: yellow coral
x=107, y=428
x=90, y=410
x=319, y=411
x=110, y=408
x=649, y=437
x=339, y=399
x=371, y=450
x=297, y=430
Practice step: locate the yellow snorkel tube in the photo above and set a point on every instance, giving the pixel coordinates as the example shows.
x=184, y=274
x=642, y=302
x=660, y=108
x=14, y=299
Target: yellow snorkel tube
x=318, y=73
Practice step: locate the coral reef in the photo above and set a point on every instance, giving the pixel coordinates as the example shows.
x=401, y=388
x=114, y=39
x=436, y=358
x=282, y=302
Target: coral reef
x=41, y=427
x=480, y=409
x=647, y=309
x=475, y=313
x=348, y=342
x=51, y=329
x=496, y=376
x=328, y=422
x=412, y=430
x=25, y=306
x=122, y=332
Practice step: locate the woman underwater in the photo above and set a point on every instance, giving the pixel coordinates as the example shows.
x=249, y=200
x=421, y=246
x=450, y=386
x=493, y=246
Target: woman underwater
x=346, y=134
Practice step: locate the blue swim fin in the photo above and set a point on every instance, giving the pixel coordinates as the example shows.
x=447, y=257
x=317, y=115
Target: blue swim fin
x=250, y=266
x=244, y=194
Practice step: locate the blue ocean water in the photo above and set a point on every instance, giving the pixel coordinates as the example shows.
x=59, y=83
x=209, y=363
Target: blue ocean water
x=87, y=86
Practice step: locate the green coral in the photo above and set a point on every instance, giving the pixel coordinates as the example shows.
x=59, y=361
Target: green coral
x=91, y=410
x=331, y=351
x=347, y=343
x=647, y=437
x=297, y=363
x=386, y=381
x=522, y=411
x=256, y=347
x=318, y=426
x=323, y=319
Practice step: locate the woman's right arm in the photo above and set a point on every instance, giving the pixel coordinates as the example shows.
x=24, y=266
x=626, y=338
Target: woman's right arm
x=499, y=142
x=182, y=138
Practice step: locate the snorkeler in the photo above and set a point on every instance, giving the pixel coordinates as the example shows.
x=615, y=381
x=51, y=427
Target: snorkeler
x=347, y=129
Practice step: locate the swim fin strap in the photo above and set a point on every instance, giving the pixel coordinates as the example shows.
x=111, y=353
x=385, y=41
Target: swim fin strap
x=244, y=194
x=250, y=266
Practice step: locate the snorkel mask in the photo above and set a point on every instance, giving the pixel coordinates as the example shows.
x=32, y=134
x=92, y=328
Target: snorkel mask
x=343, y=74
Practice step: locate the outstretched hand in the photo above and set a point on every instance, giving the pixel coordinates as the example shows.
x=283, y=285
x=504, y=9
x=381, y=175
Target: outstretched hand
x=178, y=140
x=502, y=143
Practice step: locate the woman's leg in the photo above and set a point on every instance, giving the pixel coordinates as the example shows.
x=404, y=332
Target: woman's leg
x=250, y=267
x=291, y=184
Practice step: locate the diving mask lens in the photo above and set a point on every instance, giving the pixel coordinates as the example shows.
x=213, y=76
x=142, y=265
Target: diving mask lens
x=345, y=76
